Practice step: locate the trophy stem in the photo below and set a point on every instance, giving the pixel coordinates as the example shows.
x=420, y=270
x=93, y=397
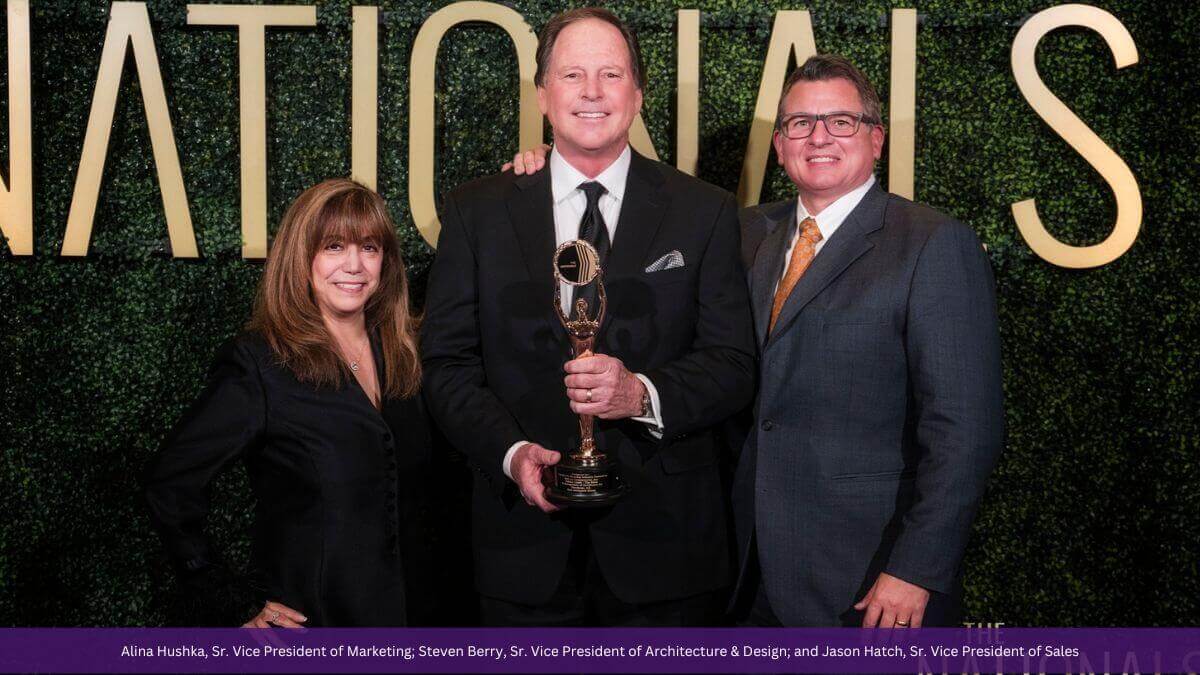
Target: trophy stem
x=587, y=443
x=584, y=477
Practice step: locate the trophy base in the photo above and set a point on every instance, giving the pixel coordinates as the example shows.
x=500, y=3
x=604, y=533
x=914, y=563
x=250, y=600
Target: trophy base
x=593, y=483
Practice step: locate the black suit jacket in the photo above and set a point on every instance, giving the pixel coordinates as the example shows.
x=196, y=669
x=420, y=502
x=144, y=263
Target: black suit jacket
x=326, y=468
x=494, y=351
x=879, y=413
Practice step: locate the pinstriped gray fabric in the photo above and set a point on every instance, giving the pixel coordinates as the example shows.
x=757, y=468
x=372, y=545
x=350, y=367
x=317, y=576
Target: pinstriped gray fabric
x=879, y=415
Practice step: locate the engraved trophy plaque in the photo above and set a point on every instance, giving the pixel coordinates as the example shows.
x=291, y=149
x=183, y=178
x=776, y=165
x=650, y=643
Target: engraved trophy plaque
x=584, y=476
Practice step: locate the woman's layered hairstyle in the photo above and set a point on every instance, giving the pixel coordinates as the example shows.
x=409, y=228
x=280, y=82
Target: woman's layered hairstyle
x=286, y=313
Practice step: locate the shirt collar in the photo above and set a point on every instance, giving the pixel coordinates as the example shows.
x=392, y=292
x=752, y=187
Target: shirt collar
x=829, y=219
x=565, y=179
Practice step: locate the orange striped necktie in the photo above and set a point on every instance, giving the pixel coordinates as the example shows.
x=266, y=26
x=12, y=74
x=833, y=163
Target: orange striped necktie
x=802, y=255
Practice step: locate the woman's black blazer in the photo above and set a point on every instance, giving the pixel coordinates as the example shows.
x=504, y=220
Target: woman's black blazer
x=325, y=466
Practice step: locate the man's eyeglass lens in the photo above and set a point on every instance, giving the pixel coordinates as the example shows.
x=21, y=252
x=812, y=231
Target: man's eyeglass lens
x=837, y=124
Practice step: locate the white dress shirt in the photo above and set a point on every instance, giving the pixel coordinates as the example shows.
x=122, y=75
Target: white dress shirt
x=569, y=205
x=828, y=220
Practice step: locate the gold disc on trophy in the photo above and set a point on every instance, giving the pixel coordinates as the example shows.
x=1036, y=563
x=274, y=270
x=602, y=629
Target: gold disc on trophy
x=576, y=262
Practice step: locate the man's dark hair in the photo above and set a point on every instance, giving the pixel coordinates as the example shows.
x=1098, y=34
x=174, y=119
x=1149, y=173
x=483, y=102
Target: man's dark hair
x=549, y=36
x=823, y=67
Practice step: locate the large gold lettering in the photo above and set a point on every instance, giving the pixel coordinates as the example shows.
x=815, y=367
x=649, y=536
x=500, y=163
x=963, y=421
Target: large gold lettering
x=421, y=133
x=129, y=24
x=792, y=33
x=1067, y=125
x=16, y=198
x=364, y=97
x=687, y=93
x=251, y=22
x=902, y=112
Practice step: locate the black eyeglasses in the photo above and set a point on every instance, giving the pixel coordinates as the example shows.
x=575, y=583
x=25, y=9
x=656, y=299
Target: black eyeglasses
x=840, y=124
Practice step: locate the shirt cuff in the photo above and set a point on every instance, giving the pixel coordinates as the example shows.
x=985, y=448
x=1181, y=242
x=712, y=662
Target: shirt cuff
x=653, y=421
x=506, y=465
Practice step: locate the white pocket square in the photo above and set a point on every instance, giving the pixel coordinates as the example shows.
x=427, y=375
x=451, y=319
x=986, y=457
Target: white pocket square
x=669, y=261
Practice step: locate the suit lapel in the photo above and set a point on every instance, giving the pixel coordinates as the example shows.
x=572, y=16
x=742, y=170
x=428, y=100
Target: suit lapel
x=846, y=245
x=642, y=209
x=531, y=212
x=768, y=264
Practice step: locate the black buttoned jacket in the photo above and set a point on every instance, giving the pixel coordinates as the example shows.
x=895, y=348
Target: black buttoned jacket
x=325, y=466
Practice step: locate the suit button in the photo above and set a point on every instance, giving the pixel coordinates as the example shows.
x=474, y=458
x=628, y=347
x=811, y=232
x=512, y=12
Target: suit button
x=767, y=425
x=387, y=436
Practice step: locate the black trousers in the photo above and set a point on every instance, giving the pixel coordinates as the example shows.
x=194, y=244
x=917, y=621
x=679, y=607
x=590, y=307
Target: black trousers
x=752, y=609
x=761, y=615
x=583, y=598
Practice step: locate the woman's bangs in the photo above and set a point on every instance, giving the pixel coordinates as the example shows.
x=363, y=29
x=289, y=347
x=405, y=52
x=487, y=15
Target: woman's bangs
x=352, y=219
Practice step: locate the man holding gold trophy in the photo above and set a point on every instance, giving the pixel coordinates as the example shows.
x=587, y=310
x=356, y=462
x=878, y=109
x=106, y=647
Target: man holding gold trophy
x=585, y=477
x=586, y=330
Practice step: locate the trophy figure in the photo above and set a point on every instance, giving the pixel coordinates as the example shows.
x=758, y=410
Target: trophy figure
x=584, y=476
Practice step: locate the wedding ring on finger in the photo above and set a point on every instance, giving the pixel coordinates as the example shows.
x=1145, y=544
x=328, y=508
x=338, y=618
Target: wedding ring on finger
x=274, y=616
x=902, y=624
x=589, y=395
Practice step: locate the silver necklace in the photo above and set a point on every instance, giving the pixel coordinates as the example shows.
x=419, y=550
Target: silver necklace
x=354, y=362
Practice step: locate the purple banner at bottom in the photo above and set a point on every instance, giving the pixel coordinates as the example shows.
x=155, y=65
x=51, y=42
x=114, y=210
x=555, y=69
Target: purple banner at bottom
x=602, y=650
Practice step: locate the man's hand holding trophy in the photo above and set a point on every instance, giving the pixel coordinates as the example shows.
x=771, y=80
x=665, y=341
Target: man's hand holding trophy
x=585, y=476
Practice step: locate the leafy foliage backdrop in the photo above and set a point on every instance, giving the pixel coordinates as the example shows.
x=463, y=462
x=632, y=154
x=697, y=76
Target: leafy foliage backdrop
x=1092, y=517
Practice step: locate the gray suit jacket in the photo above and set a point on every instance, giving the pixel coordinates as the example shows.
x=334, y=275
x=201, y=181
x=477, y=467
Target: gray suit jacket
x=879, y=415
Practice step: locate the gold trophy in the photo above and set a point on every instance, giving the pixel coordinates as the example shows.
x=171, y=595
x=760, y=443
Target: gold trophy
x=583, y=477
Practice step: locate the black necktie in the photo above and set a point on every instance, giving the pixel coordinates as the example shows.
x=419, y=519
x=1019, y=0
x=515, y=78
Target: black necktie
x=592, y=230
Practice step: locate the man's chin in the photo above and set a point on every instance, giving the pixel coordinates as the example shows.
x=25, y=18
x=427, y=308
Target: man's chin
x=594, y=147
x=596, y=139
x=820, y=182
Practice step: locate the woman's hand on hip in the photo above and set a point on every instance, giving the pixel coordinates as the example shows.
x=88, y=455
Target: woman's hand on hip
x=276, y=614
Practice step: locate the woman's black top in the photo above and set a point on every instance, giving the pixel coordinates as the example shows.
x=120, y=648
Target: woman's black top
x=325, y=466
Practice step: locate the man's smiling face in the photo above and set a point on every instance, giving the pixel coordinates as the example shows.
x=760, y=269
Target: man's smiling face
x=825, y=167
x=590, y=93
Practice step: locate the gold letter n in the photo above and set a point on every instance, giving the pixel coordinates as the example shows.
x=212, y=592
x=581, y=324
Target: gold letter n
x=129, y=23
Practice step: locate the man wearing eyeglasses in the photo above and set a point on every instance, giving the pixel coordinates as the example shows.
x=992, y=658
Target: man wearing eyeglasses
x=879, y=414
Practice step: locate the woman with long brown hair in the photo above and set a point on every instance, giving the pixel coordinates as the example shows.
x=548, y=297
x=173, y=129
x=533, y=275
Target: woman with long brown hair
x=319, y=398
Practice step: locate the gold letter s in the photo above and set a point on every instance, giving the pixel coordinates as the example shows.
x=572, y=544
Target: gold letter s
x=1060, y=118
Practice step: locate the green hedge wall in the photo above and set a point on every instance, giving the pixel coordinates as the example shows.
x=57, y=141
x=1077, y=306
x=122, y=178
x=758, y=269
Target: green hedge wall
x=1092, y=517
